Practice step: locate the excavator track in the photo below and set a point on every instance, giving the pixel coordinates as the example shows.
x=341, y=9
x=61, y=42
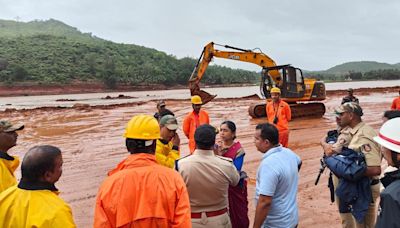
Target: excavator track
x=298, y=110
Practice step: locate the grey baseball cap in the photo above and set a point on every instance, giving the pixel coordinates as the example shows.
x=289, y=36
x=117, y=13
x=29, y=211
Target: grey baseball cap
x=169, y=121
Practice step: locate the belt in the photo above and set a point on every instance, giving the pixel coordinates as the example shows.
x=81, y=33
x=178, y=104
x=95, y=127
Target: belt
x=210, y=213
x=375, y=181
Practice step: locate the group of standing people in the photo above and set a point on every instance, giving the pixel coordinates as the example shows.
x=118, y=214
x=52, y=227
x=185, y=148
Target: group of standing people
x=155, y=187
x=208, y=187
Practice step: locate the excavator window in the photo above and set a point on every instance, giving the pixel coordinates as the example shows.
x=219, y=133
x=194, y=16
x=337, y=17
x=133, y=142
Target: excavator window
x=293, y=83
x=301, y=87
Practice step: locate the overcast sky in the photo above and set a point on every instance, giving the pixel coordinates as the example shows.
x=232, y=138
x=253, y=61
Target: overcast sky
x=312, y=35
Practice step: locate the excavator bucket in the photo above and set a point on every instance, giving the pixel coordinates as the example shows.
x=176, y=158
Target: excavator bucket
x=195, y=90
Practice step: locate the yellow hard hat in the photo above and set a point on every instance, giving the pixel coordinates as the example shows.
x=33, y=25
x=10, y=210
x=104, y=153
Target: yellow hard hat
x=196, y=100
x=142, y=127
x=275, y=90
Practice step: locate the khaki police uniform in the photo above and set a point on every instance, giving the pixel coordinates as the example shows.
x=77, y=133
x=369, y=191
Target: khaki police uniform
x=362, y=141
x=343, y=140
x=207, y=177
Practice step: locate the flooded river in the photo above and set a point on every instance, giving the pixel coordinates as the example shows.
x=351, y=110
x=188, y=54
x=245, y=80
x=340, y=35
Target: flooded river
x=98, y=98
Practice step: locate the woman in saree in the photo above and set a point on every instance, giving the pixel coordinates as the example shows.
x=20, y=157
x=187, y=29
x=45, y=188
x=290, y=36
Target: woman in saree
x=237, y=195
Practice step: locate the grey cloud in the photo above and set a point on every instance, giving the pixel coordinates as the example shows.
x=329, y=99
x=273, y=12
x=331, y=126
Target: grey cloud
x=311, y=34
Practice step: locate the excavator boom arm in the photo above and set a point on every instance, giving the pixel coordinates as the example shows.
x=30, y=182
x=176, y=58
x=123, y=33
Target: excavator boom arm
x=242, y=55
x=209, y=52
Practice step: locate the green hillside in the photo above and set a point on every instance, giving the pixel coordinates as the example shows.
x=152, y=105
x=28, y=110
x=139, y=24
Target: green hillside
x=53, y=52
x=363, y=70
x=362, y=66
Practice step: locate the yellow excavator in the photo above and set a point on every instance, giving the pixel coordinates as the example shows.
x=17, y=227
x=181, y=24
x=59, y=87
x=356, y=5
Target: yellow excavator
x=301, y=93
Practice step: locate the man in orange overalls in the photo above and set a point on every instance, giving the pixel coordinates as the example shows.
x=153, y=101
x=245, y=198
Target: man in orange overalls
x=139, y=192
x=194, y=119
x=279, y=114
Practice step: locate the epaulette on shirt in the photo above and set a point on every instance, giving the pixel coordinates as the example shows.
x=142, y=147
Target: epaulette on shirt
x=225, y=158
x=176, y=161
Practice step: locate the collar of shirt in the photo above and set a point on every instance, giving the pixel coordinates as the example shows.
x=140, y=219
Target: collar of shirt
x=204, y=152
x=356, y=128
x=277, y=103
x=6, y=156
x=271, y=151
x=29, y=185
x=196, y=114
x=346, y=130
x=135, y=160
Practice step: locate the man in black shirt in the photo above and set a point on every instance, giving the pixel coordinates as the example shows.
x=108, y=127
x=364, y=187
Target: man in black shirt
x=350, y=97
x=162, y=111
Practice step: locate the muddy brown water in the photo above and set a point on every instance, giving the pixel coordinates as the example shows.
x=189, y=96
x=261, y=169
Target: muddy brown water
x=92, y=144
x=68, y=100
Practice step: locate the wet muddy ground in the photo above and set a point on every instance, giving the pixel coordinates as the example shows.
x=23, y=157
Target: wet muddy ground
x=92, y=144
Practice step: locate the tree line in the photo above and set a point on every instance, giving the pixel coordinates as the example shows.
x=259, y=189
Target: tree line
x=384, y=74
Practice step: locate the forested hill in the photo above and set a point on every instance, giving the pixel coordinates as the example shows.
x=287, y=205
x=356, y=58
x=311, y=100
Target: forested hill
x=53, y=52
x=361, y=70
x=362, y=66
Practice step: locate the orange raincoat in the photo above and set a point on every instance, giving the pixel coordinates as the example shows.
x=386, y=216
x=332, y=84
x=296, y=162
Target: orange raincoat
x=283, y=113
x=191, y=122
x=142, y=193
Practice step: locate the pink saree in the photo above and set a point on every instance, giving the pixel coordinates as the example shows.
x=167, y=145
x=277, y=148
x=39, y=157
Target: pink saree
x=237, y=194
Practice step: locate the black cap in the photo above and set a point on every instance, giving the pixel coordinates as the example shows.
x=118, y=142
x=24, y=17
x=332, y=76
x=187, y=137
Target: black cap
x=205, y=135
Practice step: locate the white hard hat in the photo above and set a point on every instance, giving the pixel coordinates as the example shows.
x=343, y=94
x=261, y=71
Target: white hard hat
x=389, y=135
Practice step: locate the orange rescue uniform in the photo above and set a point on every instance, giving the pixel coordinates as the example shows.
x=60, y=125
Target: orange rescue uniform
x=396, y=104
x=190, y=123
x=141, y=193
x=283, y=113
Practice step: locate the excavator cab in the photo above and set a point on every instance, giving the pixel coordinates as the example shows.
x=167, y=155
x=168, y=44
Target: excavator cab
x=291, y=81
